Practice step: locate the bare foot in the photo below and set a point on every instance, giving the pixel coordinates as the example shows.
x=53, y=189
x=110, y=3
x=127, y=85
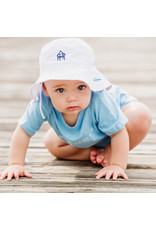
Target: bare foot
x=101, y=156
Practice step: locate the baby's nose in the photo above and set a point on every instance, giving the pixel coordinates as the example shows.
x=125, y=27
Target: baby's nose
x=71, y=97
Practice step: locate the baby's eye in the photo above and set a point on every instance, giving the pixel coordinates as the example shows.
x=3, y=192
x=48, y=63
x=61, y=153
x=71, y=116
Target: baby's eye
x=61, y=90
x=81, y=87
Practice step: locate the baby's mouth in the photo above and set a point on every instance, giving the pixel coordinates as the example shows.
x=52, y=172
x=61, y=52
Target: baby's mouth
x=72, y=108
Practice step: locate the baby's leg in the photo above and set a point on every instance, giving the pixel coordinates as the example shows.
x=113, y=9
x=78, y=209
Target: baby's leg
x=139, y=123
x=62, y=150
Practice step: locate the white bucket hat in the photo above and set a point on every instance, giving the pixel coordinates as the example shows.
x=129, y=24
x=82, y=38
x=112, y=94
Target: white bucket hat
x=69, y=59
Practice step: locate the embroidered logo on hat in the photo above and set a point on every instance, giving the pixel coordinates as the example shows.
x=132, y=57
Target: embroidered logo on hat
x=61, y=56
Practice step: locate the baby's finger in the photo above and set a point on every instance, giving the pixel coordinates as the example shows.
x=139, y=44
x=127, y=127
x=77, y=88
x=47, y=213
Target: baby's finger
x=16, y=174
x=101, y=174
x=108, y=175
x=3, y=175
x=26, y=173
x=124, y=176
x=115, y=175
x=10, y=175
x=101, y=170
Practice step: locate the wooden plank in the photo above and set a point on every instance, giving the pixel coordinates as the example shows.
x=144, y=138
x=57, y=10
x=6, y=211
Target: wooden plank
x=50, y=189
x=109, y=44
x=48, y=163
x=76, y=184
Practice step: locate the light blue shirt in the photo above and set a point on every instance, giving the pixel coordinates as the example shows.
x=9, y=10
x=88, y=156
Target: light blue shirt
x=103, y=117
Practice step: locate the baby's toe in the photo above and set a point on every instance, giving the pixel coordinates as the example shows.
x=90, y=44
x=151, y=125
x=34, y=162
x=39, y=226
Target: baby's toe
x=104, y=163
x=100, y=159
x=93, y=156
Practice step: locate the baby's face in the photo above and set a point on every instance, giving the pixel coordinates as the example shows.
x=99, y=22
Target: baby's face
x=68, y=96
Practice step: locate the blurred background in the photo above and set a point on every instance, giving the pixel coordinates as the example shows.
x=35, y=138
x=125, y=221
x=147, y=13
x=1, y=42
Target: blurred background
x=128, y=62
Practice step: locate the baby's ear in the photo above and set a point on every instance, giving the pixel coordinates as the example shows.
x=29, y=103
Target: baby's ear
x=45, y=90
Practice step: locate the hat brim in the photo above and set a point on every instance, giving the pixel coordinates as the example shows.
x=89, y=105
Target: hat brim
x=92, y=77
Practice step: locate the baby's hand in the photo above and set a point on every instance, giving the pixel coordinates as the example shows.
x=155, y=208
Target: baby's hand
x=111, y=170
x=14, y=171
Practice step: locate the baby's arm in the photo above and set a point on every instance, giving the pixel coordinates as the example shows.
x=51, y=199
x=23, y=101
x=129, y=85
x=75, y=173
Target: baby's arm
x=119, y=156
x=19, y=144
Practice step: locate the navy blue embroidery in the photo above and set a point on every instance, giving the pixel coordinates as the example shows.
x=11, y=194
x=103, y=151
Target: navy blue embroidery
x=61, y=56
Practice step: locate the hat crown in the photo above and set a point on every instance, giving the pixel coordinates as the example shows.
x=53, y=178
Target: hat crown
x=69, y=59
x=67, y=51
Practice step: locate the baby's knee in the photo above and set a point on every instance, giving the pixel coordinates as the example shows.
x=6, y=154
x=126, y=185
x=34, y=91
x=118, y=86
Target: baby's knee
x=51, y=145
x=54, y=145
x=46, y=142
x=50, y=141
x=142, y=119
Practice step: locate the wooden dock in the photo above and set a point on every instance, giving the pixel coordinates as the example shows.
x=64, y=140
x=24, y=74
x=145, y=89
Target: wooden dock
x=129, y=62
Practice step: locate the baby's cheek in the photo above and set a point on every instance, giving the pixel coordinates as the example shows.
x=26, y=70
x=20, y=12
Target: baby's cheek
x=86, y=103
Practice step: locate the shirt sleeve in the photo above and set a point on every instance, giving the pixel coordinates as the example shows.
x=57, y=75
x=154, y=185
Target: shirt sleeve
x=32, y=119
x=110, y=118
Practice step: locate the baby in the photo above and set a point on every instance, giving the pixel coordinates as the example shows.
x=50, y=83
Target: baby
x=90, y=118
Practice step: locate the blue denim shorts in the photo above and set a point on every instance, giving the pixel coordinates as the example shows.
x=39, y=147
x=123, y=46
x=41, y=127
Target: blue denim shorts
x=122, y=98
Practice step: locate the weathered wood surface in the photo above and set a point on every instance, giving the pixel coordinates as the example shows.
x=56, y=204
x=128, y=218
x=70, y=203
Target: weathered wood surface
x=129, y=62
